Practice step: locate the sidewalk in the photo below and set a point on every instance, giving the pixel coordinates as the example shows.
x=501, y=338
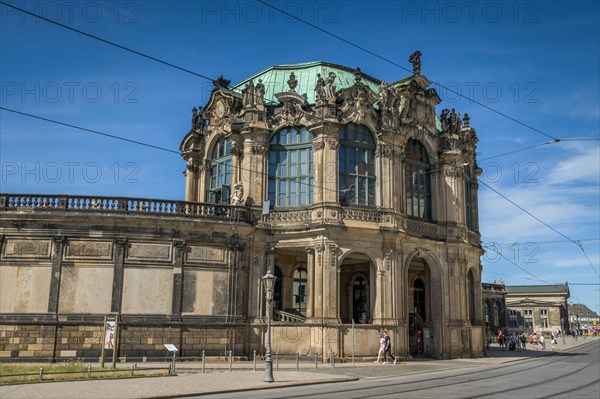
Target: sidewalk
x=190, y=381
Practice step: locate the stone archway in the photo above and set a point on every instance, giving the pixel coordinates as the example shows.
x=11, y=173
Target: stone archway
x=357, y=289
x=423, y=308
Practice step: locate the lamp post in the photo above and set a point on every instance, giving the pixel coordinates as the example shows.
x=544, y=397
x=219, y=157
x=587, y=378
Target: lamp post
x=269, y=280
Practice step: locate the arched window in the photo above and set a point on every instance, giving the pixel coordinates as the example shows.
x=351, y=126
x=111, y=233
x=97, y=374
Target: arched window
x=417, y=180
x=471, y=296
x=419, y=298
x=291, y=168
x=469, y=200
x=360, y=303
x=299, y=291
x=220, y=172
x=357, y=166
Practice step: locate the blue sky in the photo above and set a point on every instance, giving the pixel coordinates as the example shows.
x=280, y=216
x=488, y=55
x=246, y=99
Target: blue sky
x=534, y=61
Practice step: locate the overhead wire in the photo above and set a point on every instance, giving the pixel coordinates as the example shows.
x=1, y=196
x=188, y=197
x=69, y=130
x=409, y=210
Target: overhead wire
x=554, y=139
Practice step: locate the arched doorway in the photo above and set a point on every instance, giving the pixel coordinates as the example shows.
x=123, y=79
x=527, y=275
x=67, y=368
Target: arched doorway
x=357, y=292
x=423, y=309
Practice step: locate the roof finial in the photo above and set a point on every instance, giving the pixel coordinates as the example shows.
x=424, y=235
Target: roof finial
x=415, y=60
x=292, y=82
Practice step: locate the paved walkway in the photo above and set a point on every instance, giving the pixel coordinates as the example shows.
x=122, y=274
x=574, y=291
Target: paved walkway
x=190, y=381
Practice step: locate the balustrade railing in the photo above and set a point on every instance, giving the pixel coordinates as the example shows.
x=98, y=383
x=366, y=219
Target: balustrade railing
x=82, y=203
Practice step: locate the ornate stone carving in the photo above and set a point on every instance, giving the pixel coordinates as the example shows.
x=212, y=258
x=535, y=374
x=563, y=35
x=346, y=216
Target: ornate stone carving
x=361, y=215
x=318, y=145
x=205, y=165
x=27, y=248
x=89, y=250
x=236, y=149
x=237, y=198
x=221, y=82
x=148, y=251
x=258, y=149
x=292, y=82
x=333, y=145
x=415, y=60
x=358, y=105
x=290, y=115
x=248, y=95
x=309, y=250
x=383, y=150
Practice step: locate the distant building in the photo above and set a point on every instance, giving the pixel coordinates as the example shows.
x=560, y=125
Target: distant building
x=583, y=318
x=537, y=308
x=494, y=306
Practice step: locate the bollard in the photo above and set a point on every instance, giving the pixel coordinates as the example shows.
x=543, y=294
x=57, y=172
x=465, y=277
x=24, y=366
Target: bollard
x=277, y=361
x=316, y=364
x=89, y=371
x=203, y=362
x=297, y=361
x=230, y=360
x=41, y=373
x=254, y=366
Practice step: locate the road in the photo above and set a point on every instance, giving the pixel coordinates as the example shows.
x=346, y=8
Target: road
x=572, y=374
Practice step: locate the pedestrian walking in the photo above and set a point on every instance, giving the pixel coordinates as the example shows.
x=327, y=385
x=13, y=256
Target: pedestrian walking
x=381, y=348
x=388, y=348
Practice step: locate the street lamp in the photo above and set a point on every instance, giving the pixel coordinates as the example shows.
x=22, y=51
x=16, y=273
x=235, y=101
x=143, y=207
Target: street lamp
x=269, y=280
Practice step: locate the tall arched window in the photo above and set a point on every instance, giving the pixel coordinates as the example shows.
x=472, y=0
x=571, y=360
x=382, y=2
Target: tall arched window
x=220, y=172
x=299, y=291
x=360, y=303
x=471, y=296
x=419, y=298
x=469, y=200
x=357, y=166
x=291, y=168
x=417, y=180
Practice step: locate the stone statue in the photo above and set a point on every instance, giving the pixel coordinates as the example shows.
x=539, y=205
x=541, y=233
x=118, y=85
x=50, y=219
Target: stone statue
x=248, y=95
x=194, y=117
x=383, y=96
x=330, y=88
x=320, y=96
x=466, y=120
x=415, y=60
x=292, y=82
x=237, y=198
x=221, y=82
x=259, y=93
x=357, y=75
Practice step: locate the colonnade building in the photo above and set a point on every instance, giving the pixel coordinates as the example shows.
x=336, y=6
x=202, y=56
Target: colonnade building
x=355, y=193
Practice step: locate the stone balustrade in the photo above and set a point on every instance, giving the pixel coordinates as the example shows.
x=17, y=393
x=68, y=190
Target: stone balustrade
x=145, y=206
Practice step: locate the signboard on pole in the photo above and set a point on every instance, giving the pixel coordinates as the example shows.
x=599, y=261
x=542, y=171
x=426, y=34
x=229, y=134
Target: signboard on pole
x=109, y=333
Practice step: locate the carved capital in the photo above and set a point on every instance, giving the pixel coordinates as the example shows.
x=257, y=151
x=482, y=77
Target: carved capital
x=235, y=244
x=318, y=145
x=258, y=149
x=309, y=250
x=120, y=242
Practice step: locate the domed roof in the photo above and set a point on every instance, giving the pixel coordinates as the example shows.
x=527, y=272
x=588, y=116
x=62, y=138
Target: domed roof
x=275, y=79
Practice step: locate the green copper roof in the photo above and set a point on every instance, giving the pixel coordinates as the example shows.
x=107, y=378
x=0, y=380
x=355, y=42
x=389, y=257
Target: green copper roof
x=275, y=79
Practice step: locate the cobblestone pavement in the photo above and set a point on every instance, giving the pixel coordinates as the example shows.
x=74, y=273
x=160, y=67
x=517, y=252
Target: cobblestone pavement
x=189, y=380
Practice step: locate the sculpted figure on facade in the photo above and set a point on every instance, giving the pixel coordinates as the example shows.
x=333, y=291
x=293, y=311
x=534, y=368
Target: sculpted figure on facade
x=237, y=198
x=330, y=88
x=248, y=95
x=415, y=60
x=320, y=95
x=291, y=113
x=259, y=93
x=292, y=82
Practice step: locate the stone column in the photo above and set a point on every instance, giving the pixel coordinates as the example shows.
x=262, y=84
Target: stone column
x=325, y=148
x=54, y=296
x=318, y=282
x=331, y=290
x=385, y=176
x=117, y=288
x=203, y=180
x=254, y=163
x=310, y=271
x=177, y=302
